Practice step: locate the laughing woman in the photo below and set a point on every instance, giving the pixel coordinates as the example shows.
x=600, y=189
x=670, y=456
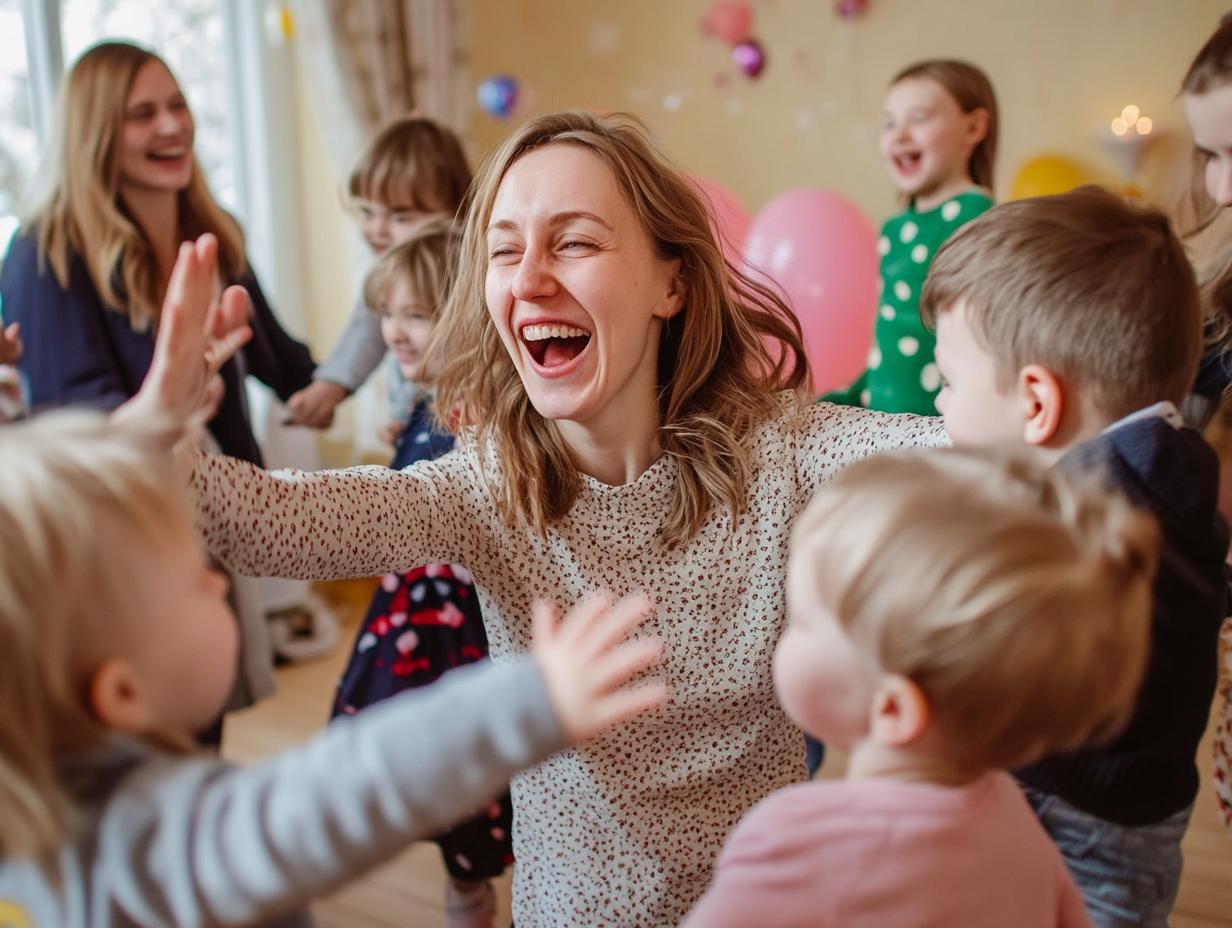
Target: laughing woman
x=86, y=275
x=628, y=429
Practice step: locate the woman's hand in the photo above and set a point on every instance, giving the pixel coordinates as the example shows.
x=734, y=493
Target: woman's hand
x=10, y=344
x=587, y=663
x=196, y=336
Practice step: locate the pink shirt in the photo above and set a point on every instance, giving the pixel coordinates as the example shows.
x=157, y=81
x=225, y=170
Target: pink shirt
x=877, y=853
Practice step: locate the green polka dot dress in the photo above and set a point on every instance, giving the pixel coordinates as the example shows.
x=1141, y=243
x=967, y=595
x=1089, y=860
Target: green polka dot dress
x=902, y=375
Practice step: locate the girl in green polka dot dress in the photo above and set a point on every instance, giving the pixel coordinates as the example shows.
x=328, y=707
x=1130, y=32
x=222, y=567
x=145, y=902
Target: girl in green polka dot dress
x=938, y=137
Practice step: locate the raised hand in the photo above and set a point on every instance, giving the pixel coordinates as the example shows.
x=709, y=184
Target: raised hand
x=587, y=663
x=195, y=338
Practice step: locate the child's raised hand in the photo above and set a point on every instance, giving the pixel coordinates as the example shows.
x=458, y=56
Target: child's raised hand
x=196, y=336
x=587, y=663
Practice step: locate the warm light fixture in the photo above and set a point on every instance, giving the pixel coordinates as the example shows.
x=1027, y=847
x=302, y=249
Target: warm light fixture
x=1126, y=137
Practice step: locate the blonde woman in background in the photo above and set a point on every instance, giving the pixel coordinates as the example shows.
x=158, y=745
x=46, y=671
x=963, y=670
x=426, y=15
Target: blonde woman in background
x=87, y=272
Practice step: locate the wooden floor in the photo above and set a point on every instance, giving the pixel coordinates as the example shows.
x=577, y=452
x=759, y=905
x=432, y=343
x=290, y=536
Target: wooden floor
x=408, y=891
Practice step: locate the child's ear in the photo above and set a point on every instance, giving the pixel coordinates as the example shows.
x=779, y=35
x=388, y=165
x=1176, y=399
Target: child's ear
x=899, y=713
x=1043, y=399
x=977, y=125
x=676, y=289
x=116, y=698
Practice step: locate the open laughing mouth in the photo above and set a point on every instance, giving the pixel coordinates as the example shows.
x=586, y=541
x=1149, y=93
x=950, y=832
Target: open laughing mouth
x=552, y=346
x=907, y=162
x=168, y=155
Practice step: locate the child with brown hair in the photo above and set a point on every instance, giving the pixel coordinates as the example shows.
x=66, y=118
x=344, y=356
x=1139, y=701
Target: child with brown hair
x=939, y=142
x=116, y=644
x=1072, y=325
x=411, y=170
x=931, y=634
x=424, y=622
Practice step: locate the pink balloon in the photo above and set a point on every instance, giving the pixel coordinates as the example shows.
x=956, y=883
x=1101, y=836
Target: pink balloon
x=821, y=251
x=729, y=20
x=728, y=217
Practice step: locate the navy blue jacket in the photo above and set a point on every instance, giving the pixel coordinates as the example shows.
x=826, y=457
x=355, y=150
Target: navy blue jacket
x=1148, y=772
x=77, y=351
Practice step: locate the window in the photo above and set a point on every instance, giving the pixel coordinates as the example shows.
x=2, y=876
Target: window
x=188, y=35
x=19, y=144
x=237, y=82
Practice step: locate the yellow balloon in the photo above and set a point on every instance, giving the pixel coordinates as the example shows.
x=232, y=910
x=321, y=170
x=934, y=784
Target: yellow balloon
x=1045, y=175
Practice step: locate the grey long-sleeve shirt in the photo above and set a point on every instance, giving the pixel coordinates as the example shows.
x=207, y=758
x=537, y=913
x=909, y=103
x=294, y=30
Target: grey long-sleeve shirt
x=192, y=841
x=358, y=351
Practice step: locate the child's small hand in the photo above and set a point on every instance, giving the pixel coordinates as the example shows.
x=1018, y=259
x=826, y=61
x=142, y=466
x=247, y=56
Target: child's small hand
x=10, y=344
x=390, y=432
x=314, y=405
x=587, y=663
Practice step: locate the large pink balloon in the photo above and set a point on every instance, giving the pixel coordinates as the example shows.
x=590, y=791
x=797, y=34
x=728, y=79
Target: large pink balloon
x=821, y=251
x=731, y=220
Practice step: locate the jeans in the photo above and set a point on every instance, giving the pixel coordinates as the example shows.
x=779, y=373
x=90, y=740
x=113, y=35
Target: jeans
x=814, y=754
x=1128, y=875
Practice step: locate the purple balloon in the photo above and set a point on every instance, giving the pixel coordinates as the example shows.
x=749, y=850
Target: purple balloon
x=850, y=9
x=749, y=57
x=498, y=95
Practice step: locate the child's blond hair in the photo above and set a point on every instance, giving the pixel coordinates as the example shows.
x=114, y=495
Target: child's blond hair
x=1096, y=289
x=1016, y=599
x=426, y=261
x=83, y=503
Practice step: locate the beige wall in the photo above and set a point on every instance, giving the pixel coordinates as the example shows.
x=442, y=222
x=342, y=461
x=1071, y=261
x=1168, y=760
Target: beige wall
x=1062, y=68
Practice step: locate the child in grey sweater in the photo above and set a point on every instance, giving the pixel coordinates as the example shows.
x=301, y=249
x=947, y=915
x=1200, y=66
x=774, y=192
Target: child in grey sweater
x=116, y=644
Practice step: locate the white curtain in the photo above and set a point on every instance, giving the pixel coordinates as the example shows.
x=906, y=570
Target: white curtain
x=367, y=62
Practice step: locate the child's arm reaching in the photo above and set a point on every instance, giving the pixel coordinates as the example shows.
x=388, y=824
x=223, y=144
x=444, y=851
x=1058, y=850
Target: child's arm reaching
x=354, y=357
x=197, y=842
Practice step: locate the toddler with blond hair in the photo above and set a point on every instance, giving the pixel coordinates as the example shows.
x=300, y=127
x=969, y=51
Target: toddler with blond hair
x=116, y=644
x=931, y=602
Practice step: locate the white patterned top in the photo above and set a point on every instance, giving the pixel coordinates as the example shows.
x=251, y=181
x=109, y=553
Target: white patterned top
x=624, y=830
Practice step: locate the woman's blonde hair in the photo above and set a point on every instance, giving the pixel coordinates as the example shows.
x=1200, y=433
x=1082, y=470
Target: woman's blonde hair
x=1016, y=598
x=82, y=504
x=426, y=261
x=83, y=214
x=1210, y=69
x=971, y=90
x=412, y=162
x=716, y=372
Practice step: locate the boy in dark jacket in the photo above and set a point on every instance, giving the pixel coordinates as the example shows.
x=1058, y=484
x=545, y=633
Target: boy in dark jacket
x=1072, y=324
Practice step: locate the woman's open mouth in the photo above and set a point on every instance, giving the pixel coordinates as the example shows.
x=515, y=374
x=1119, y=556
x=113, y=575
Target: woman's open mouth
x=168, y=154
x=553, y=346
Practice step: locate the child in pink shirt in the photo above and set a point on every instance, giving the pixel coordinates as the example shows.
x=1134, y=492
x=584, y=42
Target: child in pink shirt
x=931, y=633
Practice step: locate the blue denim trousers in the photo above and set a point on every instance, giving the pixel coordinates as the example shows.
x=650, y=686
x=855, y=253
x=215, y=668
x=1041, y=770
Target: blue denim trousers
x=1128, y=875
